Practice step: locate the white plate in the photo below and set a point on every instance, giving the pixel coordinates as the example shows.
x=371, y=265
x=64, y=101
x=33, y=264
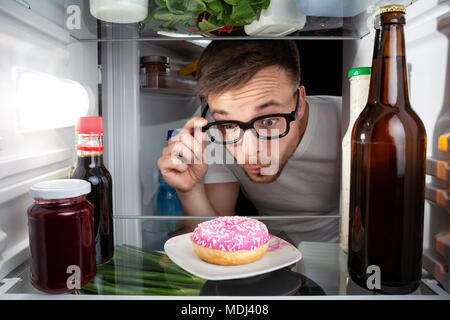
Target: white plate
x=280, y=254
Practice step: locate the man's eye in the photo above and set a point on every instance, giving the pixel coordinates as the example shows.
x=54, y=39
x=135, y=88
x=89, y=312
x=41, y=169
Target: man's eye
x=228, y=127
x=269, y=122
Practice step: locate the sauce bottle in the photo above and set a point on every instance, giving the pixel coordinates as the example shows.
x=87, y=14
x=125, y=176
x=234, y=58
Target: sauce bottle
x=90, y=167
x=387, y=171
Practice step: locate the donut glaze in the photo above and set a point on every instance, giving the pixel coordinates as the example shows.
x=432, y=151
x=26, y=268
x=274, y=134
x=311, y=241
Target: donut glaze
x=231, y=234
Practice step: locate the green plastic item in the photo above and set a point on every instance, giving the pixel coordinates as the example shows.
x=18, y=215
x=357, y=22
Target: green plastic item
x=359, y=71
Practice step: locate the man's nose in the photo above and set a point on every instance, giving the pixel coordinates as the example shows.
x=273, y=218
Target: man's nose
x=250, y=146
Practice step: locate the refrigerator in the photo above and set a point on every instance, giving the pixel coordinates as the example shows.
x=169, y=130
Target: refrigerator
x=59, y=62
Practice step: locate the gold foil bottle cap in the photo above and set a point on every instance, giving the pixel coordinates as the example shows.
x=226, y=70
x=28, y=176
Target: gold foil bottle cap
x=390, y=8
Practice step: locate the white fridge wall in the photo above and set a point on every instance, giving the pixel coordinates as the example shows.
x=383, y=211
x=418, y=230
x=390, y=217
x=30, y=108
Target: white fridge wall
x=160, y=113
x=136, y=126
x=427, y=55
x=30, y=43
x=120, y=111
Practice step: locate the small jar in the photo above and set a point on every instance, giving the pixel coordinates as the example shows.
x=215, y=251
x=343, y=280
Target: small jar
x=61, y=235
x=154, y=70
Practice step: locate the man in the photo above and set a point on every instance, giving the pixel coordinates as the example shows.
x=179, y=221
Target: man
x=286, y=146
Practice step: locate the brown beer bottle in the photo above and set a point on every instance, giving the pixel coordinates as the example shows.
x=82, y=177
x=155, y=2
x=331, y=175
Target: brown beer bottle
x=387, y=171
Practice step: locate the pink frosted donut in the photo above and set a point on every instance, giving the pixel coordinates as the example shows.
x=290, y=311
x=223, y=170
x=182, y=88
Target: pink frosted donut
x=230, y=240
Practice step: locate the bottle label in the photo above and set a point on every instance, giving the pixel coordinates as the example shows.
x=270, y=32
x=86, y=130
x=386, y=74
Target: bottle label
x=84, y=148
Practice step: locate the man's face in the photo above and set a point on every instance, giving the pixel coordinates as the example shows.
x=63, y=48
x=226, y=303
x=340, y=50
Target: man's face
x=270, y=91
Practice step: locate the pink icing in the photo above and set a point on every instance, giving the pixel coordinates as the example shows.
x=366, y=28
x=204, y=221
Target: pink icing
x=231, y=233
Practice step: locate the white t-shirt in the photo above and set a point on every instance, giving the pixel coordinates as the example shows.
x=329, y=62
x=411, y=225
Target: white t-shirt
x=309, y=184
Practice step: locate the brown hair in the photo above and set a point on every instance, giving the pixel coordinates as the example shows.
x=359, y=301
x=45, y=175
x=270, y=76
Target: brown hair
x=226, y=65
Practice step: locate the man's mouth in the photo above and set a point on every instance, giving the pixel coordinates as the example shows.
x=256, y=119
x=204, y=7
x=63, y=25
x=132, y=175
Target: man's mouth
x=255, y=169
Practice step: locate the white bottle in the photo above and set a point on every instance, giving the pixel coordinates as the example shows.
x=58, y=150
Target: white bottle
x=119, y=11
x=359, y=91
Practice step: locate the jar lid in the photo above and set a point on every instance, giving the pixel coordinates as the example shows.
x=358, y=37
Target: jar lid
x=390, y=8
x=152, y=59
x=60, y=189
x=359, y=71
x=90, y=125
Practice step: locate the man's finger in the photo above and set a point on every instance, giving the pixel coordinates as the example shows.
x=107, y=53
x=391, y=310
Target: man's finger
x=190, y=142
x=195, y=122
x=166, y=164
x=181, y=153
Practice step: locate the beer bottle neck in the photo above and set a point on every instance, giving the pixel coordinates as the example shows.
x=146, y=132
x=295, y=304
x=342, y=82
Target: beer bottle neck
x=388, y=79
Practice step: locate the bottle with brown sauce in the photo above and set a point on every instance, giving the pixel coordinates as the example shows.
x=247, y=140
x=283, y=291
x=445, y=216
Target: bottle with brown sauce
x=90, y=167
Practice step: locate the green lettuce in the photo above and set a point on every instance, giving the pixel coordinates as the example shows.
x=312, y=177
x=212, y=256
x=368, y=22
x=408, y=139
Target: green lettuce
x=204, y=15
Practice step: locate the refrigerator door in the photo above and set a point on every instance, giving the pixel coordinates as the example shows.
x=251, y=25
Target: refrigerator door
x=47, y=80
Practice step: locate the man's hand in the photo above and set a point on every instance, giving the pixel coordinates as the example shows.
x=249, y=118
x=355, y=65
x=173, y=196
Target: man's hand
x=182, y=164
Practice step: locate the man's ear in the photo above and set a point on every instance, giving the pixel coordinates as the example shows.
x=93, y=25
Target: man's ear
x=302, y=92
x=302, y=101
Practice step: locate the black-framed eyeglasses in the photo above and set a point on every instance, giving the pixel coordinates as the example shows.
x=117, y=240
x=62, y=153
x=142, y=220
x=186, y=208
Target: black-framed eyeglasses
x=267, y=127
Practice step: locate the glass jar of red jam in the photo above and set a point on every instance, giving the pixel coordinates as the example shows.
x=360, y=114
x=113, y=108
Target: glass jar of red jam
x=61, y=235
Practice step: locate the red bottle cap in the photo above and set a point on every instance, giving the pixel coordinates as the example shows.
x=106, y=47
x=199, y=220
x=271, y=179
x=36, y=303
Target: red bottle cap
x=90, y=125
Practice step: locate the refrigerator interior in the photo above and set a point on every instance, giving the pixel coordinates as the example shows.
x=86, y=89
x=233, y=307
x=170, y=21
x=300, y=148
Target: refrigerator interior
x=41, y=50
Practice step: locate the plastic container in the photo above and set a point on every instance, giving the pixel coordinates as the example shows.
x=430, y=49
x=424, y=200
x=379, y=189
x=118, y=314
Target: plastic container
x=119, y=11
x=333, y=8
x=61, y=235
x=167, y=203
x=359, y=91
x=280, y=18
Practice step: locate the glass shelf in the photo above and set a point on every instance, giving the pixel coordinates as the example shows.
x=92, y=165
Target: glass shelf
x=92, y=29
x=141, y=268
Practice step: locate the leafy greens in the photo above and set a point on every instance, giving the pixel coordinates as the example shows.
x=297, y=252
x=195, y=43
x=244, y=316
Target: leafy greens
x=204, y=15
